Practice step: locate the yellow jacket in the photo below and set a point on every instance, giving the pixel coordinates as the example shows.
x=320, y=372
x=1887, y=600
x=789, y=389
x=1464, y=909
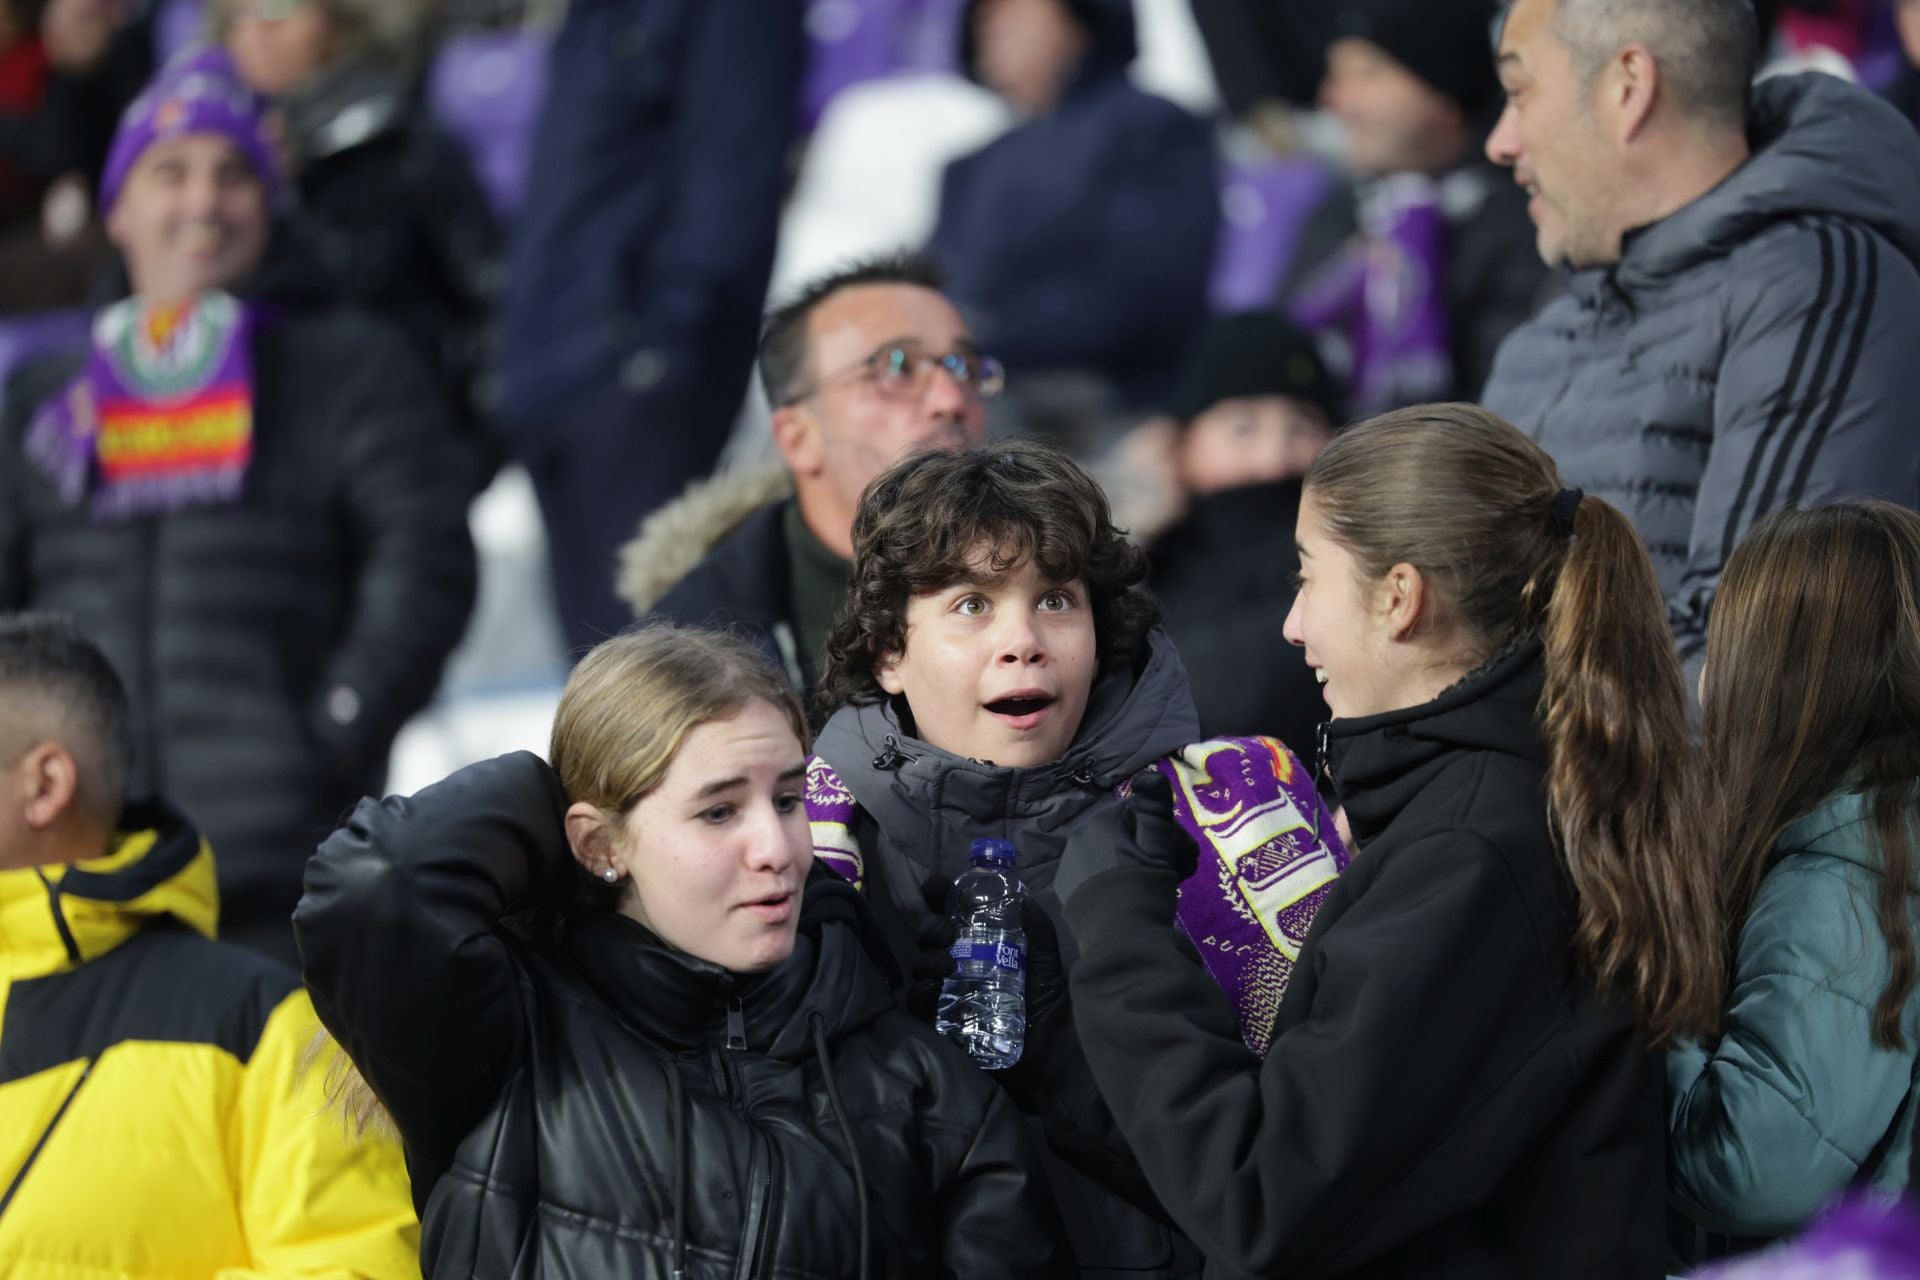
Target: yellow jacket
x=155, y=1115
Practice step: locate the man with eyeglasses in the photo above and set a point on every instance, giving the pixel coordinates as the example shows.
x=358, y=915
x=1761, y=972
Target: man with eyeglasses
x=859, y=367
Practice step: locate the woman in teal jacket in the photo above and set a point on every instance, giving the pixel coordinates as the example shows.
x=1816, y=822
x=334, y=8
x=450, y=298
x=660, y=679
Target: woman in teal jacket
x=1811, y=741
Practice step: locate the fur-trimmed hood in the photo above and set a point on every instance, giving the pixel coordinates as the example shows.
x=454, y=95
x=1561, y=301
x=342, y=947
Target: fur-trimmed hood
x=672, y=541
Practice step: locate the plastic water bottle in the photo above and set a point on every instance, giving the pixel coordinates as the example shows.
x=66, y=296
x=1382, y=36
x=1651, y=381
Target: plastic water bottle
x=983, y=1006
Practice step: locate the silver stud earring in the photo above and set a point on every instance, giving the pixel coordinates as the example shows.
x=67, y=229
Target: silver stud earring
x=610, y=876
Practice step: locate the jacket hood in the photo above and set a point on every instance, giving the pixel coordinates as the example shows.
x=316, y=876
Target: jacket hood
x=1819, y=146
x=59, y=917
x=839, y=971
x=674, y=539
x=1380, y=763
x=1131, y=721
x=1840, y=827
x=1108, y=23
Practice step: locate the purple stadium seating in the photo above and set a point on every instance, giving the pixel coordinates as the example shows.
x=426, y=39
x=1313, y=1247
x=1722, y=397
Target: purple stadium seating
x=854, y=40
x=485, y=89
x=24, y=337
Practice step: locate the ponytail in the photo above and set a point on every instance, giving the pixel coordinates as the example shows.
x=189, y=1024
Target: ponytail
x=1622, y=786
x=1478, y=508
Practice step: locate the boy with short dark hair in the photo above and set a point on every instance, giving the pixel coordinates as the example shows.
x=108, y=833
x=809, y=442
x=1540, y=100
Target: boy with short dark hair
x=1001, y=674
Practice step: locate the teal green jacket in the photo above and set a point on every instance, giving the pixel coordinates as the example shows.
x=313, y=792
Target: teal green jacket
x=1797, y=1103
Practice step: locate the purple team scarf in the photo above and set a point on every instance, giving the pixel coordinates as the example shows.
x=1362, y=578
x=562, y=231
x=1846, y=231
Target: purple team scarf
x=160, y=418
x=1386, y=296
x=1268, y=858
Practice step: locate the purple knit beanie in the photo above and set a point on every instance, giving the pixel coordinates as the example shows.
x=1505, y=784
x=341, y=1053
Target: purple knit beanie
x=198, y=92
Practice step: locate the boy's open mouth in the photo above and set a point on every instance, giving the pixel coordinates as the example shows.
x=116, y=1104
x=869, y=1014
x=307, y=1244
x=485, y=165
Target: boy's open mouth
x=1021, y=705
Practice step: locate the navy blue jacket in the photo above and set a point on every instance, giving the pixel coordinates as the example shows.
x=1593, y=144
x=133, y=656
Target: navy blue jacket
x=641, y=257
x=1083, y=238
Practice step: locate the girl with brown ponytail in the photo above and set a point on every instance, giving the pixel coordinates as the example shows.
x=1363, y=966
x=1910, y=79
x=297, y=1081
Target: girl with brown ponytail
x=1811, y=736
x=1462, y=1078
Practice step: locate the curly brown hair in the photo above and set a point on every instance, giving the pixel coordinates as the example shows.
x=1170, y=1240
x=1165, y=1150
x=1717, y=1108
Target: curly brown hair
x=924, y=524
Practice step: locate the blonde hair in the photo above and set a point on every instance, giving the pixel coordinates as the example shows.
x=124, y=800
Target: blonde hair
x=626, y=709
x=634, y=699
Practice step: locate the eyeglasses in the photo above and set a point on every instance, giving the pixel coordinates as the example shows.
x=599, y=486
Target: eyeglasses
x=902, y=373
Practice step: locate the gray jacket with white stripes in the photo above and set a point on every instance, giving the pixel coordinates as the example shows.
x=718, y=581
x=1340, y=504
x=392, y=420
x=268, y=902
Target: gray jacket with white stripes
x=1757, y=349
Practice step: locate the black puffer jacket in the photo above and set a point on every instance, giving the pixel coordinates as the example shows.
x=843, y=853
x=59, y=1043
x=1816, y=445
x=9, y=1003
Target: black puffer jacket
x=271, y=649
x=1445, y=1095
x=920, y=809
x=578, y=1100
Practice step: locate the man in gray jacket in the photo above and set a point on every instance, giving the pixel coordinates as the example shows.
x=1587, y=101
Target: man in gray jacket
x=1741, y=328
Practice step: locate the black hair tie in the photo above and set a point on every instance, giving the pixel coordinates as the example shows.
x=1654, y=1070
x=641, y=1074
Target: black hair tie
x=1565, y=504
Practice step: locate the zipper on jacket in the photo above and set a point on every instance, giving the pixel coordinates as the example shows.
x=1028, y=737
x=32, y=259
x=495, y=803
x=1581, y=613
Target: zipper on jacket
x=27, y=1166
x=891, y=757
x=736, y=1025
x=755, y=1241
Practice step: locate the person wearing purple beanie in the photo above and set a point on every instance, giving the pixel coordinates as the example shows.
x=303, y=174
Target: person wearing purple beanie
x=253, y=506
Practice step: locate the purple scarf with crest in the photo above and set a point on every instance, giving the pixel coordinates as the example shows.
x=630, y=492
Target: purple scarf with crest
x=1269, y=855
x=160, y=418
x=1385, y=296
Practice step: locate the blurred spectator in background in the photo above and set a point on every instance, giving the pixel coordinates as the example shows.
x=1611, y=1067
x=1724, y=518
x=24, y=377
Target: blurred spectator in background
x=1904, y=92
x=1742, y=306
x=862, y=366
x=1255, y=405
x=397, y=218
x=68, y=68
x=639, y=267
x=1080, y=241
x=1443, y=269
x=158, y=1117
x=255, y=509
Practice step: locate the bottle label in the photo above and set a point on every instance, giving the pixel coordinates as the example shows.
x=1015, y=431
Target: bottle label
x=1010, y=956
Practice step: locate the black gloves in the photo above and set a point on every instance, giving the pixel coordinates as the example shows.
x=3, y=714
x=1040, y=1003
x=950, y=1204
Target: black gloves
x=933, y=961
x=1139, y=832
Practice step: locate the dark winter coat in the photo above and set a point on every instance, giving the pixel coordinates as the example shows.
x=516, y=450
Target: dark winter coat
x=1225, y=579
x=717, y=556
x=1495, y=278
x=1754, y=350
x=271, y=649
x=1084, y=238
x=920, y=810
x=1444, y=1096
x=742, y=586
x=579, y=1100
x=641, y=257
x=399, y=222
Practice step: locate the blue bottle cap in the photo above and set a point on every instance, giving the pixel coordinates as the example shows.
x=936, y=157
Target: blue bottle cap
x=998, y=852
